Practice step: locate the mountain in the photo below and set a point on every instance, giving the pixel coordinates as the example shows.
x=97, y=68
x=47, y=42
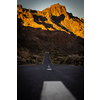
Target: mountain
x=53, y=29
x=52, y=18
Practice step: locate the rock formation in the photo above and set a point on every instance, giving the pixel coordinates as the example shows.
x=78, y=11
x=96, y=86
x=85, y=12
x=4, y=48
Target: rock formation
x=54, y=18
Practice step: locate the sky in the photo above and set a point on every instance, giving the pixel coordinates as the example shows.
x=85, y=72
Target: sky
x=76, y=7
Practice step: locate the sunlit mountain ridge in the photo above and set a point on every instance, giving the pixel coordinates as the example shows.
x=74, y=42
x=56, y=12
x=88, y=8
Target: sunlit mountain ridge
x=53, y=18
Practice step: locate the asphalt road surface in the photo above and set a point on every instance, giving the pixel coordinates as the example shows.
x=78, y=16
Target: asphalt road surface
x=32, y=78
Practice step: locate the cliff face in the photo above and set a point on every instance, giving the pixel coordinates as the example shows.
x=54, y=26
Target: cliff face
x=54, y=18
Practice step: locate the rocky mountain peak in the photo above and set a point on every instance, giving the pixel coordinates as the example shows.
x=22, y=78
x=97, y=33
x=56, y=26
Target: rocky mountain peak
x=56, y=9
x=53, y=18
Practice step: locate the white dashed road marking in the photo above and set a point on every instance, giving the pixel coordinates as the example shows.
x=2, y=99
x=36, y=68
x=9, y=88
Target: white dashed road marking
x=55, y=90
x=49, y=68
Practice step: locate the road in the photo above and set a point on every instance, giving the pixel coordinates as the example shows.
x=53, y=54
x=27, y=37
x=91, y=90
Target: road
x=32, y=78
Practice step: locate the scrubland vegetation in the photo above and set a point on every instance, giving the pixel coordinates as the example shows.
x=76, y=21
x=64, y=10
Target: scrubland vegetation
x=26, y=58
x=73, y=59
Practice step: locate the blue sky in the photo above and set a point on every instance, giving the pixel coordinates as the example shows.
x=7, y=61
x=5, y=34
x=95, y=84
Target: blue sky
x=76, y=7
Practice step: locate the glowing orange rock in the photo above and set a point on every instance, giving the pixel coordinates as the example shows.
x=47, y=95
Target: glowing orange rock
x=52, y=18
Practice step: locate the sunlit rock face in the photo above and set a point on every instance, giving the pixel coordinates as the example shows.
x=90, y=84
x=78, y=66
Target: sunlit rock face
x=54, y=18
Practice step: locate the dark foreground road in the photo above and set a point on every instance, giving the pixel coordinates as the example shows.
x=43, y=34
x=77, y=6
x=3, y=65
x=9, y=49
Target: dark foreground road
x=30, y=79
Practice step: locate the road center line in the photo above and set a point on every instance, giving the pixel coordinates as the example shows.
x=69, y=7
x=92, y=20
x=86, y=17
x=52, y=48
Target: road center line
x=49, y=68
x=55, y=90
